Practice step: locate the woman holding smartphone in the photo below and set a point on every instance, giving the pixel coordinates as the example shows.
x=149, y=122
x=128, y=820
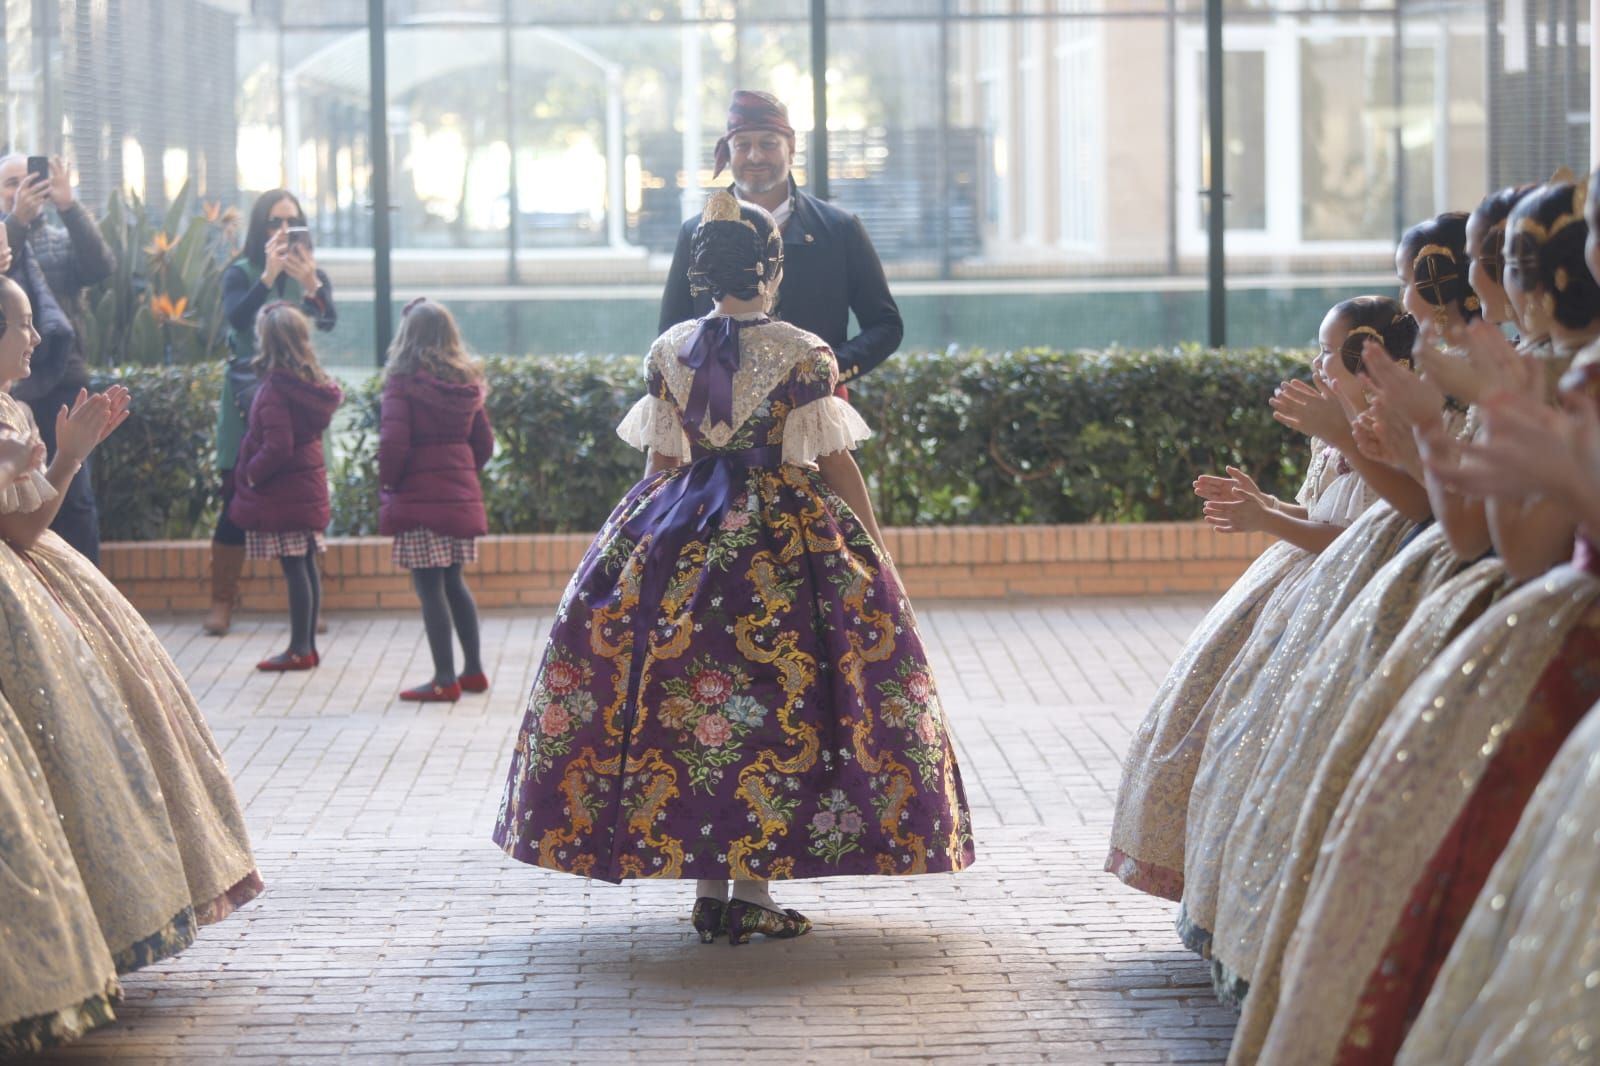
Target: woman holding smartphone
x=277, y=264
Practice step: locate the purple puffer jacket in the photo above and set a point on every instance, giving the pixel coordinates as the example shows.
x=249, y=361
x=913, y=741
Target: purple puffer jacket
x=435, y=437
x=280, y=480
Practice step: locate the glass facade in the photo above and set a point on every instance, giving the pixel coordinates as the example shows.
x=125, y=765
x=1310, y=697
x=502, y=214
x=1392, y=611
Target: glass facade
x=1031, y=171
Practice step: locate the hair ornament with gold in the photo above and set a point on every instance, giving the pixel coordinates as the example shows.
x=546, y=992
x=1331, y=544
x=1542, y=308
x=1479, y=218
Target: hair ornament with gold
x=723, y=206
x=1433, y=272
x=1580, y=197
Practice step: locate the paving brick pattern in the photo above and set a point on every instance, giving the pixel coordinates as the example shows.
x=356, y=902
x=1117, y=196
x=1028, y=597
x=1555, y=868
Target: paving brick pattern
x=393, y=930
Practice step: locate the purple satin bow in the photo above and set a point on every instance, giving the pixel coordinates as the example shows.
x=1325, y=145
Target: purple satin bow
x=713, y=353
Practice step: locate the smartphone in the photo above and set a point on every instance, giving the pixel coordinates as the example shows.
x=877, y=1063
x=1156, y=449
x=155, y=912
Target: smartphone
x=299, y=237
x=39, y=167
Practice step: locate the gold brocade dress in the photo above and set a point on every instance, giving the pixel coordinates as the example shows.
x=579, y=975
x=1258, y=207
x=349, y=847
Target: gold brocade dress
x=194, y=783
x=1404, y=618
x=57, y=978
x=1519, y=985
x=1416, y=777
x=1247, y=700
x=1429, y=631
x=1147, y=833
x=104, y=791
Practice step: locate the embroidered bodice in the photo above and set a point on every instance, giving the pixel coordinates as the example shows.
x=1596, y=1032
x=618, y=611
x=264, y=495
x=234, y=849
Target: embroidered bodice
x=783, y=394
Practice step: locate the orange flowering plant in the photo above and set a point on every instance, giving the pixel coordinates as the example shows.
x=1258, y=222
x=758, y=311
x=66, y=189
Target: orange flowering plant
x=163, y=303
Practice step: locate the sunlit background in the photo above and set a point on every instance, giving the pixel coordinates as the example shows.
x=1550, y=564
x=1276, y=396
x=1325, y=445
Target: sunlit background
x=1030, y=170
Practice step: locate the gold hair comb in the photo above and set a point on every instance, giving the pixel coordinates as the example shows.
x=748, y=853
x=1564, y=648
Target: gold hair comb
x=722, y=207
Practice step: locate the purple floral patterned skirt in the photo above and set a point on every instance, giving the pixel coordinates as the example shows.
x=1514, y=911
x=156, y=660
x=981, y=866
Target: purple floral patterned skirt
x=782, y=721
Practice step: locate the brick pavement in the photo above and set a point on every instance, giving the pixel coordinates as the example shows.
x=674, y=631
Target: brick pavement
x=393, y=930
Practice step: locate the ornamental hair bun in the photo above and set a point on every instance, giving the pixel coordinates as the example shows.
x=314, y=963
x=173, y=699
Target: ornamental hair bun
x=736, y=250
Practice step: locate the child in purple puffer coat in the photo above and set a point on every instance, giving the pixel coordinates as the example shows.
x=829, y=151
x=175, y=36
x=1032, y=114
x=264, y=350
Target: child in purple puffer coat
x=280, y=494
x=434, y=438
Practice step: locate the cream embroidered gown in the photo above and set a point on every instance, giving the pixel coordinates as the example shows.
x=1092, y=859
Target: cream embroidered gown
x=1419, y=773
x=56, y=974
x=1415, y=778
x=195, y=787
x=1519, y=985
x=1402, y=620
x=1278, y=891
x=1147, y=833
x=1247, y=701
x=1250, y=703
x=99, y=779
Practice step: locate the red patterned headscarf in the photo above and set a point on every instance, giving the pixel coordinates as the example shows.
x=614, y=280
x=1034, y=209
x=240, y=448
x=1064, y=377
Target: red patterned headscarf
x=753, y=111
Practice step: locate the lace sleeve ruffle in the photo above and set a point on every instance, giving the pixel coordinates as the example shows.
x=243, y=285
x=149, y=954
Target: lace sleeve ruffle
x=653, y=425
x=822, y=427
x=28, y=493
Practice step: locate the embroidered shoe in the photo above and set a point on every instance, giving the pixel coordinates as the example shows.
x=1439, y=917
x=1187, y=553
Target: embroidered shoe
x=745, y=919
x=433, y=693
x=478, y=682
x=708, y=918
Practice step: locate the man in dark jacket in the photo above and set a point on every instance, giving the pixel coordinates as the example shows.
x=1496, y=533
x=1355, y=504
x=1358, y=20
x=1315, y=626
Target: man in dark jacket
x=829, y=266
x=55, y=265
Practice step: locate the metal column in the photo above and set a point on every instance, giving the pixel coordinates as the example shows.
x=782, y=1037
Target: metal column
x=382, y=285
x=817, y=148
x=1216, y=180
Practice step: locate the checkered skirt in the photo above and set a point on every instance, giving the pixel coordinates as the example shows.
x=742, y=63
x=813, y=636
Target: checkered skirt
x=418, y=549
x=260, y=545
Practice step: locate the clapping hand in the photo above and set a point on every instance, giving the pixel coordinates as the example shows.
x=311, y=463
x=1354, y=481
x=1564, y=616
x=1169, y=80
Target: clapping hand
x=90, y=420
x=1498, y=366
x=17, y=457
x=1314, y=410
x=1247, y=509
x=1212, y=487
x=1384, y=438
x=1452, y=371
x=120, y=400
x=1528, y=449
x=1414, y=400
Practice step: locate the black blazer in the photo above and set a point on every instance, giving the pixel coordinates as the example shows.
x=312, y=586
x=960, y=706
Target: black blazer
x=829, y=270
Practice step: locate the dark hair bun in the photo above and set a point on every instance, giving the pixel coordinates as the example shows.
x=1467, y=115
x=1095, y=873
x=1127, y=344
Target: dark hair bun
x=1376, y=318
x=736, y=250
x=1547, y=232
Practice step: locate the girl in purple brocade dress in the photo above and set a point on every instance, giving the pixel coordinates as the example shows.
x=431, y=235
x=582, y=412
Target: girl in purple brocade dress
x=779, y=719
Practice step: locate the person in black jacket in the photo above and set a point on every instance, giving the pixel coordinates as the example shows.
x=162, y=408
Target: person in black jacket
x=55, y=265
x=830, y=268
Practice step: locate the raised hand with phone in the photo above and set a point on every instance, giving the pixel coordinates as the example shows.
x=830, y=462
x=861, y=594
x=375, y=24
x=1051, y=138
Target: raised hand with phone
x=56, y=258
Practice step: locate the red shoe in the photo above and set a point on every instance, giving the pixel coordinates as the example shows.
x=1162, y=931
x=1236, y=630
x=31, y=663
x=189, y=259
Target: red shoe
x=478, y=682
x=432, y=693
x=288, y=661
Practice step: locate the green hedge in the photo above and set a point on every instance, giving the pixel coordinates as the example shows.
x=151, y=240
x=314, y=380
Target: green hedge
x=964, y=437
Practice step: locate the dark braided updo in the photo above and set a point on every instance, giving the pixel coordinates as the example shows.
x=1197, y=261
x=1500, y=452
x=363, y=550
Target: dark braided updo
x=1376, y=318
x=1437, y=252
x=736, y=251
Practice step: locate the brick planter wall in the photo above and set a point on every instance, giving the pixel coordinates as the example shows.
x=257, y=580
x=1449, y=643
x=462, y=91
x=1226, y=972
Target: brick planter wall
x=948, y=562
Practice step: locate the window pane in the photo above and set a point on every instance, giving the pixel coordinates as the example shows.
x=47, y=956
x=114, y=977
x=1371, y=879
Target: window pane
x=1244, y=110
x=1347, y=147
